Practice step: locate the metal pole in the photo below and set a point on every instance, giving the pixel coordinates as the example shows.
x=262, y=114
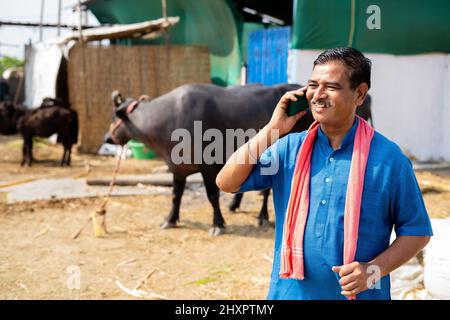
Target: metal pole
x=59, y=19
x=164, y=8
x=86, y=18
x=41, y=20
x=44, y=25
x=80, y=20
x=164, y=13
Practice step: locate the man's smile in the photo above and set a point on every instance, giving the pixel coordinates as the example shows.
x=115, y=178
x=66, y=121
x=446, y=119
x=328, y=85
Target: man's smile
x=321, y=106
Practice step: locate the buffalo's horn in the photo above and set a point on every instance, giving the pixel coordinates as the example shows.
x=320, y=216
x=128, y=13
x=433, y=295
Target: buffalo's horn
x=144, y=97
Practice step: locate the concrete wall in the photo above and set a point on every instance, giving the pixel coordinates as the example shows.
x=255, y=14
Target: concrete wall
x=411, y=99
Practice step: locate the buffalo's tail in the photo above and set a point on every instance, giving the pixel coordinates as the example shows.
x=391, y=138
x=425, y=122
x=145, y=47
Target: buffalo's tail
x=74, y=126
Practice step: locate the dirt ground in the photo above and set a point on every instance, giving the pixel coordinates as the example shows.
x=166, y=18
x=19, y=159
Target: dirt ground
x=38, y=256
x=40, y=260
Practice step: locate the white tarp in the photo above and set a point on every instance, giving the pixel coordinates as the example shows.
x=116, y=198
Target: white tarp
x=437, y=260
x=407, y=280
x=411, y=100
x=43, y=61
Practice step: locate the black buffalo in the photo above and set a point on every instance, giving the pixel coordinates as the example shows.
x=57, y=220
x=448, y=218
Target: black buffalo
x=49, y=118
x=154, y=121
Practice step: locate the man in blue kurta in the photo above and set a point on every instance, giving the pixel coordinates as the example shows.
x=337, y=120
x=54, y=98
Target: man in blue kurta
x=391, y=198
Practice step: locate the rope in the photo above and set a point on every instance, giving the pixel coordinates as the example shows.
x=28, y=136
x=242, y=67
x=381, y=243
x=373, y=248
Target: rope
x=113, y=181
x=100, y=227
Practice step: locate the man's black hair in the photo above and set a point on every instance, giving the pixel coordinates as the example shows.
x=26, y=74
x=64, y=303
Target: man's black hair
x=358, y=64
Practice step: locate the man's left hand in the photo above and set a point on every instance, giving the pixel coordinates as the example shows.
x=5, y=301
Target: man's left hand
x=354, y=278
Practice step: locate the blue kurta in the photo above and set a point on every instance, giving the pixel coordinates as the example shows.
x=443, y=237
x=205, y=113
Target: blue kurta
x=391, y=199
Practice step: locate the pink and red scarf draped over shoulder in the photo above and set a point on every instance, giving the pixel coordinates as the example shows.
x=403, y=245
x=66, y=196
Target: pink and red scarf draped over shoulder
x=292, y=265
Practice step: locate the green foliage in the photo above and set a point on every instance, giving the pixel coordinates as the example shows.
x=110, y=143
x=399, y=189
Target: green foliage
x=9, y=62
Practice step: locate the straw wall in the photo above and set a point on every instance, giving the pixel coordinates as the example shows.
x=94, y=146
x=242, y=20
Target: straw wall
x=95, y=71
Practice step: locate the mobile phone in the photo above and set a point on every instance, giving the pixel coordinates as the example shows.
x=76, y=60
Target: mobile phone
x=295, y=107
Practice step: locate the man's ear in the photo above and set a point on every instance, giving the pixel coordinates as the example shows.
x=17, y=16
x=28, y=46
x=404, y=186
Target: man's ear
x=361, y=93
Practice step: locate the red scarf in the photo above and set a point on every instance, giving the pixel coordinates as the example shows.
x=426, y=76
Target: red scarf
x=295, y=220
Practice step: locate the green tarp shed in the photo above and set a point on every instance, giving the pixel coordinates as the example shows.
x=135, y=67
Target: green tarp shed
x=406, y=26
x=209, y=22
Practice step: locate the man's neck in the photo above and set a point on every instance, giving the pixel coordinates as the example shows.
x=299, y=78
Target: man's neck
x=336, y=135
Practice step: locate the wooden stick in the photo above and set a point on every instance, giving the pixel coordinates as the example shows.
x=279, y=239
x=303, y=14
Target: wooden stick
x=140, y=283
x=82, y=228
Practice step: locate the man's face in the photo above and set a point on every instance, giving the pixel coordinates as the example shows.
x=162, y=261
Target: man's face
x=333, y=103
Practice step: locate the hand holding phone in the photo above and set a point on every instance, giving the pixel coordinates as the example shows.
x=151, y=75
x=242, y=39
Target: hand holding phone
x=300, y=105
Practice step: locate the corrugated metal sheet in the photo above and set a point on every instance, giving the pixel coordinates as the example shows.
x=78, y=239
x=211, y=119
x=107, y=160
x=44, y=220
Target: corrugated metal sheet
x=268, y=56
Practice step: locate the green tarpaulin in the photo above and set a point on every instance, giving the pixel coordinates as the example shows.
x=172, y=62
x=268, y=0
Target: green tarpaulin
x=207, y=22
x=406, y=26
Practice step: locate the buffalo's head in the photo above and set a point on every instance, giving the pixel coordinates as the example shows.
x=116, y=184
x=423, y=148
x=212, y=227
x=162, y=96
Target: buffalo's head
x=8, y=118
x=118, y=133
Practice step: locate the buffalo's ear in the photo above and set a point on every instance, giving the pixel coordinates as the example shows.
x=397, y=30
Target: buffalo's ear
x=121, y=112
x=116, y=98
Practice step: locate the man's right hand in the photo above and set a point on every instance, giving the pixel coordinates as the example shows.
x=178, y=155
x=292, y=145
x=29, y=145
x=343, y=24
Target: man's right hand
x=239, y=165
x=280, y=120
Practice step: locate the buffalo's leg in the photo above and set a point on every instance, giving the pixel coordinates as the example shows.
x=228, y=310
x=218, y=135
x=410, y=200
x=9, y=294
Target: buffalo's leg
x=63, y=159
x=24, y=151
x=177, y=192
x=69, y=153
x=236, y=202
x=66, y=156
x=29, y=151
x=263, y=218
x=66, y=139
x=213, y=196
